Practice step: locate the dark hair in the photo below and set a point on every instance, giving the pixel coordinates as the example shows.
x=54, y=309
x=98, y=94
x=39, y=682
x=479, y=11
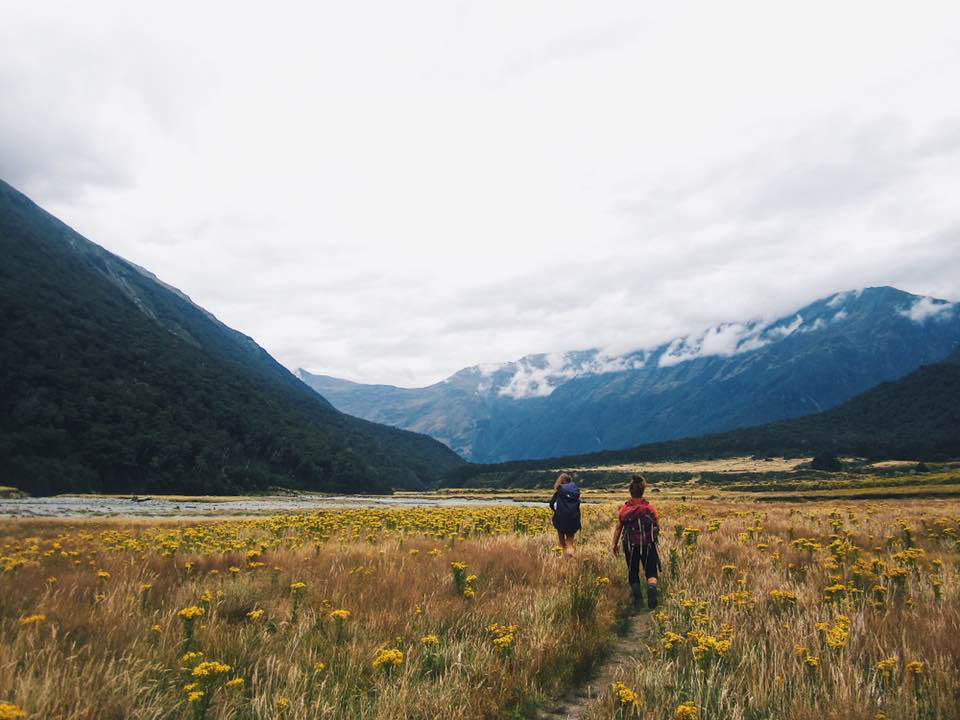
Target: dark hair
x=638, y=484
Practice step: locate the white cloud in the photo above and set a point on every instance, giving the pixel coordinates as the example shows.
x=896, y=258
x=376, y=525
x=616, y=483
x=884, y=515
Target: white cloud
x=540, y=375
x=724, y=340
x=781, y=331
x=390, y=192
x=925, y=308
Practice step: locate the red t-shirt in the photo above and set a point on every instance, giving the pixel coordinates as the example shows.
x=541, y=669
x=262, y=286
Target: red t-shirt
x=635, y=502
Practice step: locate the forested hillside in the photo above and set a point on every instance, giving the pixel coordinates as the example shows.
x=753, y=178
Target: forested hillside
x=112, y=381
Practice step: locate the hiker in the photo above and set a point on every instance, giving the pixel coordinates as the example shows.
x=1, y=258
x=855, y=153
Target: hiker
x=639, y=527
x=565, y=504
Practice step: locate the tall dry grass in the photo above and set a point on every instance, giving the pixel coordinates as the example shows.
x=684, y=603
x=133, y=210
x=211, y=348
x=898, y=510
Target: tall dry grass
x=89, y=623
x=833, y=610
x=824, y=610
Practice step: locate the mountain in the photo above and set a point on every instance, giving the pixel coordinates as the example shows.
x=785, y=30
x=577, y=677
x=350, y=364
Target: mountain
x=111, y=380
x=738, y=374
x=915, y=417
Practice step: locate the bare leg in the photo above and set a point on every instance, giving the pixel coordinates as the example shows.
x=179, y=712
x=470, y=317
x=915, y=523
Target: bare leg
x=568, y=547
x=561, y=540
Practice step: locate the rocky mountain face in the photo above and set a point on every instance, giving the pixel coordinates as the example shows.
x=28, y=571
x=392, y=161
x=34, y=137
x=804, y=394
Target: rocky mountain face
x=737, y=374
x=112, y=380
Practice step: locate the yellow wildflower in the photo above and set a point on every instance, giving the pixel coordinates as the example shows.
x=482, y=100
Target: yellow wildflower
x=429, y=640
x=191, y=613
x=340, y=614
x=686, y=711
x=32, y=619
x=255, y=614
x=191, y=657
x=9, y=711
x=234, y=683
x=388, y=658
x=623, y=695
x=886, y=666
x=319, y=666
x=671, y=640
x=209, y=668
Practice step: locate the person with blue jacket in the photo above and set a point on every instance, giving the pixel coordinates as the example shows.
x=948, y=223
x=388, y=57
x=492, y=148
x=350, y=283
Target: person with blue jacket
x=565, y=504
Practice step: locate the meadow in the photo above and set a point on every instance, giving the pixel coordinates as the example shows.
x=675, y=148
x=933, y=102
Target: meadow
x=820, y=610
x=823, y=610
x=360, y=613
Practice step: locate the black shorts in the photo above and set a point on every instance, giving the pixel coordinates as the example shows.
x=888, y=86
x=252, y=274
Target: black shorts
x=645, y=557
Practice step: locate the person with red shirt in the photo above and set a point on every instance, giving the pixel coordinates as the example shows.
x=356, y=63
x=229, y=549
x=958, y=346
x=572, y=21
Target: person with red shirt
x=639, y=527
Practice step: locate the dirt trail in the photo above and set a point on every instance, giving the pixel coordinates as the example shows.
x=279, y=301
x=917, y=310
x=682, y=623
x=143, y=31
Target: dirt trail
x=624, y=654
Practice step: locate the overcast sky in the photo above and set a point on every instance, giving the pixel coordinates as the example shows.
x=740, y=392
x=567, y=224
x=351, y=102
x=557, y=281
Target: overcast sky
x=390, y=191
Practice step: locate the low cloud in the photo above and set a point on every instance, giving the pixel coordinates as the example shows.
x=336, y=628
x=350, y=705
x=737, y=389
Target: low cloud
x=927, y=308
x=540, y=375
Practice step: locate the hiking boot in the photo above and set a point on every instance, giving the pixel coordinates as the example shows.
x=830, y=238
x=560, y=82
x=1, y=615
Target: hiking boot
x=651, y=596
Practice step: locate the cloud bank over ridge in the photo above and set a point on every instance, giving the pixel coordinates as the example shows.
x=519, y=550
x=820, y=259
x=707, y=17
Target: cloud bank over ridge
x=391, y=193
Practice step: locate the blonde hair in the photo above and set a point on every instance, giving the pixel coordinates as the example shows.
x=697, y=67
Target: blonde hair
x=561, y=479
x=638, y=483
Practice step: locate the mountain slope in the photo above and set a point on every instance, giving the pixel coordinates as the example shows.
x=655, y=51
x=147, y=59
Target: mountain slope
x=112, y=380
x=733, y=375
x=915, y=417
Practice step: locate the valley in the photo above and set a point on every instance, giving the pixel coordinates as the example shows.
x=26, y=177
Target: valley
x=736, y=375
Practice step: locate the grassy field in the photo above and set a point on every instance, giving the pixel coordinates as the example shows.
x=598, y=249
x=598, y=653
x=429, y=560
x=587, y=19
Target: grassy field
x=456, y=613
x=824, y=610
x=828, y=610
x=726, y=465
